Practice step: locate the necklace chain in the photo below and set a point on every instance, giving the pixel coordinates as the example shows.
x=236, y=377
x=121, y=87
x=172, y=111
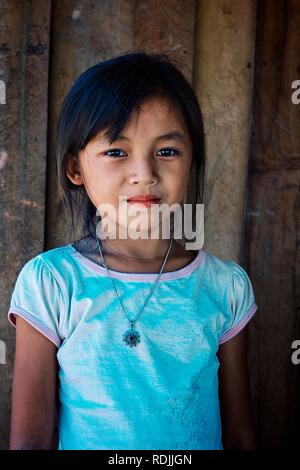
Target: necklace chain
x=132, y=337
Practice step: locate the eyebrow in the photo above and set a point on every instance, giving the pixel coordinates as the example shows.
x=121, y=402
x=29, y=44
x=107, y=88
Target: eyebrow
x=171, y=135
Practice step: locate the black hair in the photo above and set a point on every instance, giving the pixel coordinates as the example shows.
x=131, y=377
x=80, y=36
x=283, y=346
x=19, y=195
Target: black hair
x=104, y=97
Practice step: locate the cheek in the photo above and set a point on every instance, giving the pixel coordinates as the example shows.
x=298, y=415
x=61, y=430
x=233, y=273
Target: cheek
x=97, y=175
x=179, y=173
x=105, y=187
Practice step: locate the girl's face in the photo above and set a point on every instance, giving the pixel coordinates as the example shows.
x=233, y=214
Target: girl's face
x=142, y=161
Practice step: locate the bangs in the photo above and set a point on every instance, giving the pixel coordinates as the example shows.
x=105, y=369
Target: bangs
x=107, y=102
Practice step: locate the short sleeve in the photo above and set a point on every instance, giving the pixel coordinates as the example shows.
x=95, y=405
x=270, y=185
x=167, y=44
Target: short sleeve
x=241, y=304
x=37, y=299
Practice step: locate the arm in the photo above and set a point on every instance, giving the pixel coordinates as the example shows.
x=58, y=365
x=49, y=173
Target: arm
x=234, y=393
x=34, y=390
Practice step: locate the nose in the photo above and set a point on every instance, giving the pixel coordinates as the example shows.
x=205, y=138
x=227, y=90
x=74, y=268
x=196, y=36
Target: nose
x=143, y=172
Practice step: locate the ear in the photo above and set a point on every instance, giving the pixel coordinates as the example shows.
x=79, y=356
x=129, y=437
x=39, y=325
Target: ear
x=73, y=170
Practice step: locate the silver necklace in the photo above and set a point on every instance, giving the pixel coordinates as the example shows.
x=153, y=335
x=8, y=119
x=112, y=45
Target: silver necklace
x=132, y=337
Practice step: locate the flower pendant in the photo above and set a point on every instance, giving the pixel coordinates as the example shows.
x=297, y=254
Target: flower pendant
x=131, y=336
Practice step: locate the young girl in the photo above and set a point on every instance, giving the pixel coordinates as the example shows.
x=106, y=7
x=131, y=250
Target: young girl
x=130, y=343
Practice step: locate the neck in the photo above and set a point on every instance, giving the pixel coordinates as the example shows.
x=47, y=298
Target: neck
x=140, y=249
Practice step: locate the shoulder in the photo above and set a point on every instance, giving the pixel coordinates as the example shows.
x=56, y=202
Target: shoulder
x=222, y=269
x=229, y=283
x=51, y=256
x=232, y=287
x=55, y=256
x=219, y=271
x=56, y=259
x=231, y=277
x=46, y=267
x=227, y=273
x=40, y=295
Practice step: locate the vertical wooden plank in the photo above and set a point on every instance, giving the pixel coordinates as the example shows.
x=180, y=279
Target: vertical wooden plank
x=82, y=34
x=224, y=45
x=24, y=48
x=168, y=27
x=273, y=222
x=94, y=31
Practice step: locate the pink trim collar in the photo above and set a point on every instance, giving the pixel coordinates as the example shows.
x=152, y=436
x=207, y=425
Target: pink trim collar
x=165, y=276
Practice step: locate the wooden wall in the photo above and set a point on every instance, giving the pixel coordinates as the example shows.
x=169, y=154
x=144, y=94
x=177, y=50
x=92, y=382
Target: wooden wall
x=241, y=58
x=273, y=221
x=24, y=66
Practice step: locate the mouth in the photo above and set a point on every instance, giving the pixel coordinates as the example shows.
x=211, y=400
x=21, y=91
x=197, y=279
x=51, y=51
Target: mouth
x=144, y=200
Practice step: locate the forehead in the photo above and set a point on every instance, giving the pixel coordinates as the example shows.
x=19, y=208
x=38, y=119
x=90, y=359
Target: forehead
x=159, y=111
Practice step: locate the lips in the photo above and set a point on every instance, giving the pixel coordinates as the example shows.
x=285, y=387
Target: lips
x=143, y=199
x=146, y=201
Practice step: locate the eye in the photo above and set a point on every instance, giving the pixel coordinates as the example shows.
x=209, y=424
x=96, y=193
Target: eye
x=114, y=150
x=168, y=150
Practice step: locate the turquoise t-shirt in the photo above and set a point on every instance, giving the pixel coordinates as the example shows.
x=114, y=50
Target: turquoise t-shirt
x=161, y=394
